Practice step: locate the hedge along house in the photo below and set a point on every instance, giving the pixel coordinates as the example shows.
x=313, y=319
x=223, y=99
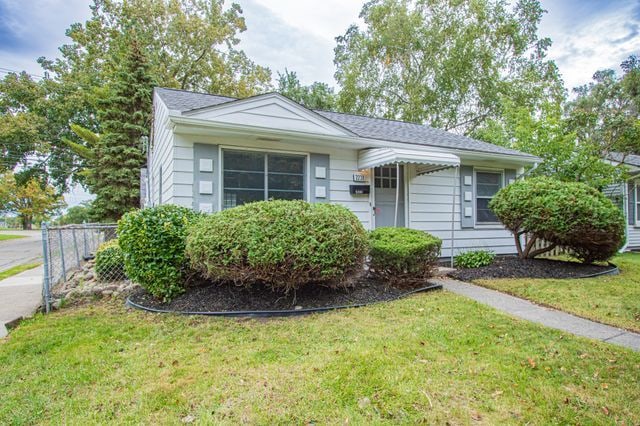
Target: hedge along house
x=627, y=194
x=211, y=153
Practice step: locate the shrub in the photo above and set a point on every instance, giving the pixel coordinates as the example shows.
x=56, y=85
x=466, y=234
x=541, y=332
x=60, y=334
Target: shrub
x=153, y=243
x=568, y=214
x=279, y=244
x=109, y=262
x=402, y=254
x=474, y=259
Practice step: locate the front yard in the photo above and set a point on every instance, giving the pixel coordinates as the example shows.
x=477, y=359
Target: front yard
x=431, y=358
x=612, y=300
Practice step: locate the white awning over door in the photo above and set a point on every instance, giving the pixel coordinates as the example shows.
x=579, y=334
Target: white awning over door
x=426, y=161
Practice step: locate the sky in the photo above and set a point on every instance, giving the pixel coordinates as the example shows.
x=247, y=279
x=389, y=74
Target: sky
x=299, y=35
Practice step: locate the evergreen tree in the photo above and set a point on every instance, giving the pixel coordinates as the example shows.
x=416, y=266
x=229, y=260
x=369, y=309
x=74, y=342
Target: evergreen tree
x=125, y=117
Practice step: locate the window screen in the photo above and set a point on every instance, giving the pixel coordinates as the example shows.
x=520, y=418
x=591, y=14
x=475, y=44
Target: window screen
x=487, y=185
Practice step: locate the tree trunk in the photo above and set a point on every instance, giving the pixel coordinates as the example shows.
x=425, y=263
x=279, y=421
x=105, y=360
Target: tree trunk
x=26, y=222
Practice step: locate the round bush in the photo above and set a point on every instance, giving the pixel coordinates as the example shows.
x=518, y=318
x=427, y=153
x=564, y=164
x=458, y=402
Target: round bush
x=279, y=244
x=474, y=259
x=109, y=261
x=568, y=214
x=153, y=242
x=402, y=254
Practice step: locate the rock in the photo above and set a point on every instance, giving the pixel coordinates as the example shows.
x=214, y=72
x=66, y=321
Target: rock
x=88, y=276
x=298, y=307
x=56, y=304
x=107, y=293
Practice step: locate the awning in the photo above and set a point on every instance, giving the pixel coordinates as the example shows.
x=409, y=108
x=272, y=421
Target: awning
x=426, y=161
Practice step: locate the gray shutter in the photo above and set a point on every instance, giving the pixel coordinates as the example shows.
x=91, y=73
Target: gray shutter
x=206, y=188
x=631, y=203
x=466, y=202
x=509, y=175
x=319, y=163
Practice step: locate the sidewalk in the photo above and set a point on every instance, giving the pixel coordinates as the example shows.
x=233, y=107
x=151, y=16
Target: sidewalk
x=20, y=296
x=546, y=316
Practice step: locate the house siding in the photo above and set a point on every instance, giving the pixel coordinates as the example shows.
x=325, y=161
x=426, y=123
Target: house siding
x=430, y=209
x=161, y=157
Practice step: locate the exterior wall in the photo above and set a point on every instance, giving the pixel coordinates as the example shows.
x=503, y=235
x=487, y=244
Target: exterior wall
x=161, y=157
x=633, y=226
x=430, y=202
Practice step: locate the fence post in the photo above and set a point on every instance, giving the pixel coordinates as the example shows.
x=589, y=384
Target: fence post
x=75, y=246
x=84, y=239
x=46, y=295
x=64, y=268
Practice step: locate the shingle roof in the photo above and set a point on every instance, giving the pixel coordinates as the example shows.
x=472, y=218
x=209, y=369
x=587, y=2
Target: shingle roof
x=365, y=127
x=630, y=159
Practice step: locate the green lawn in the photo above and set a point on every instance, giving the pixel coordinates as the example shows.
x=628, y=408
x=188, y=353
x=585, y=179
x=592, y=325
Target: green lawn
x=17, y=269
x=432, y=358
x=612, y=300
x=4, y=237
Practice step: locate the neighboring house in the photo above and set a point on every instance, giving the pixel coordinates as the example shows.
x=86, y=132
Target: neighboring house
x=629, y=196
x=211, y=152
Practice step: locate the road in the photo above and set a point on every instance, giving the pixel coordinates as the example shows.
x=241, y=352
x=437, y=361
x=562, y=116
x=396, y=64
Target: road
x=20, y=250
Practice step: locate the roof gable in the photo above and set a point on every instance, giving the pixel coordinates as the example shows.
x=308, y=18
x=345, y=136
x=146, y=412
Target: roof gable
x=272, y=111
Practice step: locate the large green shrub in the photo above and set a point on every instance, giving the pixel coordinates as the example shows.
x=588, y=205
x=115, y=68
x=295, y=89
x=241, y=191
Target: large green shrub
x=153, y=243
x=279, y=244
x=402, y=254
x=568, y=214
x=109, y=261
x=474, y=259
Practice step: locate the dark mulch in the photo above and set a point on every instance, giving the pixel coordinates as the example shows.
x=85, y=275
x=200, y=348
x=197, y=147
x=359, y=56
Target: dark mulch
x=514, y=267
x=226, y=297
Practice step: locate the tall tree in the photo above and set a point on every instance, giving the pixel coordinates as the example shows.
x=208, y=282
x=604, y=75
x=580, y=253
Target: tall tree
x=314, y=96
x=125, y=117
x=446, y=63
x=31, y=199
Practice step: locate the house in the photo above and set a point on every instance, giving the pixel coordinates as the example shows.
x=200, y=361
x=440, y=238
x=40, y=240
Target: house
x=212, y=152
x=628, y=195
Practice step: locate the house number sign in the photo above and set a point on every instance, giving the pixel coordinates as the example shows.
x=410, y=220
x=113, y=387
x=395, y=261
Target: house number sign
x=359, y=177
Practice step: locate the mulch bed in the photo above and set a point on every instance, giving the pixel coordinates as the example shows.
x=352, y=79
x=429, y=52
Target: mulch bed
x=227, y=297
x=514, y=267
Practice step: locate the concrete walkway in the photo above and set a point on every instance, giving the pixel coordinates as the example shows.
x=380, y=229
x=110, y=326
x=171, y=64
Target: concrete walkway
x=546, y=316
x=20, y=296
x=20, y=250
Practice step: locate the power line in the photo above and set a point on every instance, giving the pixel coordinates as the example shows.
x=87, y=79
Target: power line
x=10, y=71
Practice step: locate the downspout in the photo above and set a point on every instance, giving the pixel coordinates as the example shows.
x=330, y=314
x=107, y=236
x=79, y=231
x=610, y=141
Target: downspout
x=453, y=211
x=625, y=211
x=395, y=217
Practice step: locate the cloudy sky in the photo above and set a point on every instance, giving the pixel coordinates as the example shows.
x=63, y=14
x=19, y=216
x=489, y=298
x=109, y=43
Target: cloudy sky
x=300, y=34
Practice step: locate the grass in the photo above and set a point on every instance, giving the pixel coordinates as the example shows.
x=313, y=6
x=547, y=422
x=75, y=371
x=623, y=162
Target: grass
x=431, y=358
x=4, y=237
x=17, y=269
x=613, y=299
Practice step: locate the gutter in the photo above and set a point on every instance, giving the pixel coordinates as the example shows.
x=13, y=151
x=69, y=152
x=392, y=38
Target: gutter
x=236, y=129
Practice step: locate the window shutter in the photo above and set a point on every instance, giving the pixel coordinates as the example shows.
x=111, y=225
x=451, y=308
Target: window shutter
x=206, y=188
x=466, y=196
x=631, y=199
x=509, y=176
x=320, y=175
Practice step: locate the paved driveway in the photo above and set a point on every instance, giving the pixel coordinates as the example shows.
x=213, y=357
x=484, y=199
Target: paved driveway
x=20, y=250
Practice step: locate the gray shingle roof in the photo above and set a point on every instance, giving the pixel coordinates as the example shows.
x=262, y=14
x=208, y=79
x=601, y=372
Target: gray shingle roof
x=630, y=159
x=365, y=127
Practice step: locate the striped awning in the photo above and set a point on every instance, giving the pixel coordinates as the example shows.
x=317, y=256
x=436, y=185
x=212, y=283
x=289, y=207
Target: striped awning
x=425, y=161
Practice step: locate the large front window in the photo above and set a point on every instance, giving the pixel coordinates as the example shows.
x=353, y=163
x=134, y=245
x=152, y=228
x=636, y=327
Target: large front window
x=487, y=185
x=255, y=176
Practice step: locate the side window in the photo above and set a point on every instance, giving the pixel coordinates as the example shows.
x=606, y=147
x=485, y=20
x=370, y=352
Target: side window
x=487, y=185
x=386, y=177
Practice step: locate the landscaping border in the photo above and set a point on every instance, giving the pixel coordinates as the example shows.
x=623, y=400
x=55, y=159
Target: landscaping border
x=279, y=313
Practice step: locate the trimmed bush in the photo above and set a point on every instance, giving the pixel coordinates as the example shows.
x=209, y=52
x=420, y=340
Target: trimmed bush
x=568, y=214
x=402, y=254
x=109, y=261
x=279, y=244
x=474, y=259
x=153, y=243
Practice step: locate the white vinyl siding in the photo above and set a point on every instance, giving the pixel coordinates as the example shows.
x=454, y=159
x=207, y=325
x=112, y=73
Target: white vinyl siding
x=637, y=209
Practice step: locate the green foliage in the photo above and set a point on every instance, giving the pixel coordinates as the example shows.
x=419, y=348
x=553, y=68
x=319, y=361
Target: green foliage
x=568, y=214
x=279, y=244
x=29, y=197
x=109, y=261
x=402, y=254
x=315, y=96
x=474, y=259
x=153, y=244
x=76, y=214
x=446, y=63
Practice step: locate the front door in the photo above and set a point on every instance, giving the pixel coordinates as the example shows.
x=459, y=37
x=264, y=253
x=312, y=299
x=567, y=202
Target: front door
x=386, y=180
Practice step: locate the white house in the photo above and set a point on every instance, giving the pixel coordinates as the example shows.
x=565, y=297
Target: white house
x=211, y=152
x=629, y=195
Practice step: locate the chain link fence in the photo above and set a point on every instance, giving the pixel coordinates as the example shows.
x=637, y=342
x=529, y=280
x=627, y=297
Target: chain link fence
x=67, y=249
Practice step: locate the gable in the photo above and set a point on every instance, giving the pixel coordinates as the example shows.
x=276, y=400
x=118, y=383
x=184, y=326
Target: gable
x=270, y=111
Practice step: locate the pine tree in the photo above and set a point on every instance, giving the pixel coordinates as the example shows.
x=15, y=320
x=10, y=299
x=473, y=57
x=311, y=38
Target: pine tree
x=125, y=117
